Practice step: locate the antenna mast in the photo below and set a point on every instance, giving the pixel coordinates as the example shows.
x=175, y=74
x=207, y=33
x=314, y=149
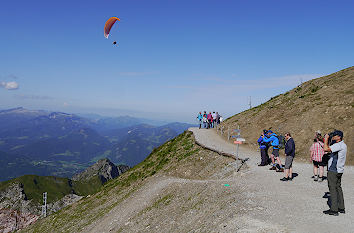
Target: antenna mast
x=44, y=206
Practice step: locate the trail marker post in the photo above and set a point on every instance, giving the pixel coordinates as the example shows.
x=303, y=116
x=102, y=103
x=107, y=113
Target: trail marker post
x=238, y=139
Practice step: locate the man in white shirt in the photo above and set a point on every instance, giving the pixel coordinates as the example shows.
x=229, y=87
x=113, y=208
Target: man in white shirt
x=214, y=118
x=335, y=171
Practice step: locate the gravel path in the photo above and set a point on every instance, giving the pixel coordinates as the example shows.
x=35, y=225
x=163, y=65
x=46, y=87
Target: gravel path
x=296, y=205
x=255, y=201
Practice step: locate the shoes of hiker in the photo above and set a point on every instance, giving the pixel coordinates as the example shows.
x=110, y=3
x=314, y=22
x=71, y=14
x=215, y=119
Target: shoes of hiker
x=312, y=177
x=316, y=178
x=272, y=168
x=280, y=170
x=284, y=179
x=331, y=212
x=320, y=179
x=342, y=211
x=290, y=179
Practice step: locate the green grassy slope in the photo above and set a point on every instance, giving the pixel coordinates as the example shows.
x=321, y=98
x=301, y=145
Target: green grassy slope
x=34, y=186
x=325, y=104
x=75, y=217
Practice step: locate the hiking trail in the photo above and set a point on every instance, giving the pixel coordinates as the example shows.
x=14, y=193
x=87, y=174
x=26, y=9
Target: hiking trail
x=256, y=201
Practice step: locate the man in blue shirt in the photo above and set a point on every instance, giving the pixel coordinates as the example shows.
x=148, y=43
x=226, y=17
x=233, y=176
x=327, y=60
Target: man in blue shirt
x=200, y=119
x=263, y=148
x=273, y=138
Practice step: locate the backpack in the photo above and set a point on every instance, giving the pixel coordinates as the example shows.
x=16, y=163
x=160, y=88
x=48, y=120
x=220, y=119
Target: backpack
x=282, y=141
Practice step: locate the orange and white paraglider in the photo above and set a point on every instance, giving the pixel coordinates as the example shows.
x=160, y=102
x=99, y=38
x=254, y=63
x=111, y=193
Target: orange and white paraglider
x=108, y=26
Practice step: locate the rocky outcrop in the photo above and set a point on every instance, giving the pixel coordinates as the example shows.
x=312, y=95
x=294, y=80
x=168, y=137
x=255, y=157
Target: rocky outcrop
x=103, y=168
x=12, y=220
x=65, y=201
x=16, y=212
x=14, y=198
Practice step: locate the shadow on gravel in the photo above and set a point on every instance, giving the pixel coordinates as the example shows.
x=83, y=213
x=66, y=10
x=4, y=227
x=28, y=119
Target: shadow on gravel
x=328, y=196
x=294, y=174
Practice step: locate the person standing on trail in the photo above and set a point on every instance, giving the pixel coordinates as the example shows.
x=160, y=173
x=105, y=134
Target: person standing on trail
x=205, y=120
x=317, y=152
x=210, y=119
x=217, y=118
x=289, y=157
x=200, y=119
x=273, y=138
x=263, y=148
x=335, y=171
x=214, y=119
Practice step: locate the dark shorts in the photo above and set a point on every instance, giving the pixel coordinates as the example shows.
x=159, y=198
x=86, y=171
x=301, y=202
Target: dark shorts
x=322, y=164
x=275, y=153
x=288, y=161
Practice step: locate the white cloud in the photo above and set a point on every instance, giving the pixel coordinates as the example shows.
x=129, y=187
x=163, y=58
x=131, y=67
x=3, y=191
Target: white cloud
x=9, y=85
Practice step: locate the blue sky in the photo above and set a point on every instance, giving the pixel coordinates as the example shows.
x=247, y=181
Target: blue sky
x=173, y=59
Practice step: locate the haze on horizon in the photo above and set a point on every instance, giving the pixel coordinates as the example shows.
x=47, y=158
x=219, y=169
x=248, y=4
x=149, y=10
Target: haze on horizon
x=173, y=59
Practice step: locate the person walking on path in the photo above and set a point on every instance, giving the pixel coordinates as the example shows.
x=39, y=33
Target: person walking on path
x=273, y=138
x=263, y=149
x=317, y=152
x=200, y=119
x=335, y=171
x=205, y=120
x=289, y=157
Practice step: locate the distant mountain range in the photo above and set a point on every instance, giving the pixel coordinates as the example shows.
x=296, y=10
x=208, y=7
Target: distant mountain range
x=62, y=144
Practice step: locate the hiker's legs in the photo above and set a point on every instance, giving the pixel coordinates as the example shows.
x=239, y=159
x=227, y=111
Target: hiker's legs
x=263, y=157
x=291, y=172
x=286, y=173
x=315, y=170
x=279, y=162
x=332, y=186
x=272, y=158
x=340, y=191
x=288, y=166
x=321, y=171
x=267, y=156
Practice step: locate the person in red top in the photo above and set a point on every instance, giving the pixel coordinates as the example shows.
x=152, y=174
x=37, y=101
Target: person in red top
x=210, y=120
x=317, y=153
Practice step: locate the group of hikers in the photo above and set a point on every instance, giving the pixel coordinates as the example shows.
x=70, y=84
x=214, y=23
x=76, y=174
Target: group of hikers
x=270, y=139
x=329, y=151
x=209, y=120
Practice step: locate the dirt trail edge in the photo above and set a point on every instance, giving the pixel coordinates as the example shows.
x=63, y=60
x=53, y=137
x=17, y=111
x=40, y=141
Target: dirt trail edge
x=255, y=201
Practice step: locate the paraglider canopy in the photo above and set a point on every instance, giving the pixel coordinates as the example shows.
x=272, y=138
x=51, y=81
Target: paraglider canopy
x=109, y=24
